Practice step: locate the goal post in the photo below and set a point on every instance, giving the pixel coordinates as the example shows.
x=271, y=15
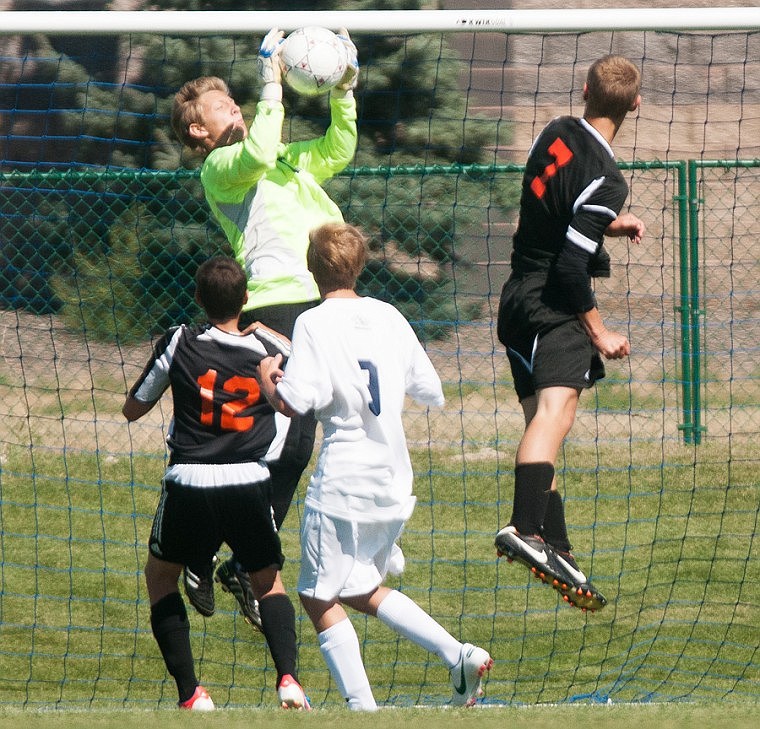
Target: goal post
x=103, y=223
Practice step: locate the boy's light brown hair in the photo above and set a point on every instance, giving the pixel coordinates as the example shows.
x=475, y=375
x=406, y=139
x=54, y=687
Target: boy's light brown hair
x=187, y=110
x=336, y=256
x=612, y=85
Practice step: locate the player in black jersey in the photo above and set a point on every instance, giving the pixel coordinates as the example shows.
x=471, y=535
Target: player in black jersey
x=217, y=486
x=548, y=320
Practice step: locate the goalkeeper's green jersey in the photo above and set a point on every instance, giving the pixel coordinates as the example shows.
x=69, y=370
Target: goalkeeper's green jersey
x=267, y=196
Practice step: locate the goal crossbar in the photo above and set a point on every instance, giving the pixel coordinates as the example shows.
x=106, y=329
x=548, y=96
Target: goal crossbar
x=371, y=21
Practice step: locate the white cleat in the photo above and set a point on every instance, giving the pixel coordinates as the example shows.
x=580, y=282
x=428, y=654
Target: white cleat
x=466, y=676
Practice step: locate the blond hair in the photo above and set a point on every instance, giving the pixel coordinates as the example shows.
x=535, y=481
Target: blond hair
x=612, y=84
x=336, y=256
x=187, y=109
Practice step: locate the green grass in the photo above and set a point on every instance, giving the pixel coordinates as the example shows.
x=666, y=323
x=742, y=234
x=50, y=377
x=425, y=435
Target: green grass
x=669, y=539
x=662, y=716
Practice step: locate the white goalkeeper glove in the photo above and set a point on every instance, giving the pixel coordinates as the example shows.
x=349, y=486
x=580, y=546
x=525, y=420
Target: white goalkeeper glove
x=351, y=76
x=270, y=70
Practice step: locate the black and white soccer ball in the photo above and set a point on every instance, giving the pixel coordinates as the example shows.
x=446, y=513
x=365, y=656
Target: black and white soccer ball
x=313, y=60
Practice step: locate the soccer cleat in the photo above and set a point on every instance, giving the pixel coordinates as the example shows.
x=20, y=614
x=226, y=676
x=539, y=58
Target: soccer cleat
x=199, y=587
x=576, y=589
x=530, y=551
x=291, y=695
x=199, y=701
x=234, y=580
x=466, y=676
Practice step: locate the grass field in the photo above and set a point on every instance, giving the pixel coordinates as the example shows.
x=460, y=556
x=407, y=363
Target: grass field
x=668, y=532
x=678, y=563
x=661, y=716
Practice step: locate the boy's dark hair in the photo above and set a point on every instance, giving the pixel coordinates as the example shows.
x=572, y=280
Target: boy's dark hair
x=336, y=256
x=220, y=287
x=613, y=85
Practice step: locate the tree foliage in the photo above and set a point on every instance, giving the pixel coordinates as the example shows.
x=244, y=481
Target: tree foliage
x=109, y=100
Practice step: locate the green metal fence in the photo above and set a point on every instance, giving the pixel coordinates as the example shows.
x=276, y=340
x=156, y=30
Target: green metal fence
x=114, y=251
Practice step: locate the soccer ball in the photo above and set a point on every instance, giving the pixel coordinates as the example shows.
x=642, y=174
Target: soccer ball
x=313, y=60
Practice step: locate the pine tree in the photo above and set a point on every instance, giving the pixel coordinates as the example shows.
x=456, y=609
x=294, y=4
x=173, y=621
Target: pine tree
x=113, y=113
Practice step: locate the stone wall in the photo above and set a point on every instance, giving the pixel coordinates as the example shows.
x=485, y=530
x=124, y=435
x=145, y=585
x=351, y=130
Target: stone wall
x=700, y=92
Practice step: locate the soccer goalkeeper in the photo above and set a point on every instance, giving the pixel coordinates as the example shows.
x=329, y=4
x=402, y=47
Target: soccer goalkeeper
x=266, y=196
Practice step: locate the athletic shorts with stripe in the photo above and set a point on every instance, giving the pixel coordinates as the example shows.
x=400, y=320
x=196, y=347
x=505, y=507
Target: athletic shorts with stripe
x=192, y=522
x=545, y=346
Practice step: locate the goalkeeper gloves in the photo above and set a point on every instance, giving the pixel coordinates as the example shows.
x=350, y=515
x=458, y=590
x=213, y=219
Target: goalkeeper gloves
x=351, y=76
x=269, y=65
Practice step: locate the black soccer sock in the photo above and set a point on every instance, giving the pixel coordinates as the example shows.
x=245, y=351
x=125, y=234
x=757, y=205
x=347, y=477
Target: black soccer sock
x=555, y=528
x=171, y=629
x=532, y=487
x=278, y=623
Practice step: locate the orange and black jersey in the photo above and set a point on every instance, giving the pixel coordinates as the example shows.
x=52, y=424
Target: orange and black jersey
x=572, y=190
x=220, y=415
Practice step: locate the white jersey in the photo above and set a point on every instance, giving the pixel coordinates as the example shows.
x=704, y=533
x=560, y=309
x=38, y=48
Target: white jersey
x=353, y=360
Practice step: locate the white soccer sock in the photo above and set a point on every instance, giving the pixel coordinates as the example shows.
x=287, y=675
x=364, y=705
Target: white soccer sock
x=407, y=618
x=340, y=649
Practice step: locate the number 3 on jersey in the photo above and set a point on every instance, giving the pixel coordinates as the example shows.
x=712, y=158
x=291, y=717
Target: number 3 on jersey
x=373, y=385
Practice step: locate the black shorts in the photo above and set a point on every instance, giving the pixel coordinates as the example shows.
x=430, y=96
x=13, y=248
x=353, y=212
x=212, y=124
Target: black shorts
x=280, y=317
x=545, y=347
x=192, y=522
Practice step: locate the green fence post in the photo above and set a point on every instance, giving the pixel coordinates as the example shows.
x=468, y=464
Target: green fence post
x=695, y=311
x=683, y=200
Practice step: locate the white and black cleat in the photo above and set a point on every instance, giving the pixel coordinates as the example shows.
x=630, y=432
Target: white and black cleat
x=529, y=550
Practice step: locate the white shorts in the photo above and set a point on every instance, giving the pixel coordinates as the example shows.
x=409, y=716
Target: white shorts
x=341, y=558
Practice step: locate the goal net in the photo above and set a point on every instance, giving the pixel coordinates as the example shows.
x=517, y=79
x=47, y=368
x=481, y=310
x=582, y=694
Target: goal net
x=103, y=222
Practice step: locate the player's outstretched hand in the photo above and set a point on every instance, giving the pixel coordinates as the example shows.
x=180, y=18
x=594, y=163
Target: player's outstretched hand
x=253, y=326
x=627, y=224
x=351, y=76
x=269, y=372
x=612, y=345
x=269, y=57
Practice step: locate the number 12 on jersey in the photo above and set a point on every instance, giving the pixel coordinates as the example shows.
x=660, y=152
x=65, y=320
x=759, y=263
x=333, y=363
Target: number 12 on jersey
x=247, y=391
